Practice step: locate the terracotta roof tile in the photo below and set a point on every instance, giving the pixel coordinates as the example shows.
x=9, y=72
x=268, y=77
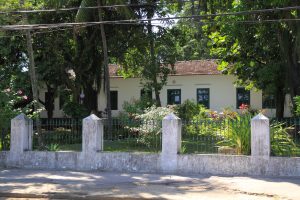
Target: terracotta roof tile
x=194, y=67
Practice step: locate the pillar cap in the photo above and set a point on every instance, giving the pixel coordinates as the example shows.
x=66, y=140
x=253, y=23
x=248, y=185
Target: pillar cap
x=171, y=116
x=21, y=116
x=260, y=116
x=92, y=117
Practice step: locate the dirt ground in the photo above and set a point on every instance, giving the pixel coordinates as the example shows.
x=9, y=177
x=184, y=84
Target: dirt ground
x=38, y=184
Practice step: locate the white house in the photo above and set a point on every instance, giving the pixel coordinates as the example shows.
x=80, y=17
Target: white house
x=197, y=80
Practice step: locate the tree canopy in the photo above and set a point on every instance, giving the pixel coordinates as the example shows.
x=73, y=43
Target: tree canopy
x=260, y=48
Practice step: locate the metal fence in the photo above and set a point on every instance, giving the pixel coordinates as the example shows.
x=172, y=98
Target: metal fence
x=226, y=136
x=58, y=134
x=285, y=137
x=125, y=135
x=132, y=135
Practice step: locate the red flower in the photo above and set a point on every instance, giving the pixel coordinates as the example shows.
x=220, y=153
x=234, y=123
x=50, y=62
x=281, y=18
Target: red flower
x=244, y=107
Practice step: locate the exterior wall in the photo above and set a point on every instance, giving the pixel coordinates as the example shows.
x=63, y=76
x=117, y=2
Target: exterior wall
x=222, y=93
x=222, y=90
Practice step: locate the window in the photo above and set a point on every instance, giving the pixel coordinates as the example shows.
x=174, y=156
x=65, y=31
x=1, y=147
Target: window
x=242, y=97
x=203, y=96
x=174, y=96
x=268, y=101
x=146, y=93
x=114, y=100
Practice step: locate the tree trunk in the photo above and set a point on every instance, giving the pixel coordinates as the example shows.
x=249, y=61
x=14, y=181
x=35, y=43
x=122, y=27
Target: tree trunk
x=89, y=100
x=153, y=60
x=289, y=48
x=106, y=71
x=33, y=79
x=49, y=101
x=280, y=100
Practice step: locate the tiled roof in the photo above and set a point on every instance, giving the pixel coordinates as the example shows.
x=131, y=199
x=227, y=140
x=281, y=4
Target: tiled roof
x=196, y=67
x=181, y=68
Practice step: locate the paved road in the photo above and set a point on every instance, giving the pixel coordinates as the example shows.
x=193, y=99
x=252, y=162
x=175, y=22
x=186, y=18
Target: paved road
x=36, y=184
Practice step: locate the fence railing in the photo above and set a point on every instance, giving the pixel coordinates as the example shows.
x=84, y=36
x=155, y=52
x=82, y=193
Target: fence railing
x=226, y=136
x=58, y=134
x=285, y=137
x=132, y=135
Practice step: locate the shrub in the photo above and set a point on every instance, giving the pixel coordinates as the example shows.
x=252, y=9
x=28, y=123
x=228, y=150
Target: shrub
x=150, y=123
x=297, y=103
x=189, y=109
x=282, y=143
x=236, y=133
x=135, y=108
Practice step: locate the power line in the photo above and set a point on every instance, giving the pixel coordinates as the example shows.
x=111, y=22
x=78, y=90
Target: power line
x=77, y=24
x=152, y=4
x=90, y=7
x=214, y=22
x=71, y=28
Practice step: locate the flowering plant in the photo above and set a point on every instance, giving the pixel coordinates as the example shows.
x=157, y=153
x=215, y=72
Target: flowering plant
x=244, y=106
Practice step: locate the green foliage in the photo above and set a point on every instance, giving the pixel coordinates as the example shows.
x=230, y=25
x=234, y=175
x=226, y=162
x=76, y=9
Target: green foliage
x=225, y=129
x=53, y=147
x=282, y=143
x=136, y=107
x=149, y=123
x=237, y=134
x=297, y=103
x=152, y=64
x=75, y=110
x=189, y=110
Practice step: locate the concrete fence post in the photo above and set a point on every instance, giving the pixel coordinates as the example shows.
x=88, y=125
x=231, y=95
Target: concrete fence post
x=260, y=144
x=21, y=134
x=92, y=134
x=171, y=142
x=260, y=136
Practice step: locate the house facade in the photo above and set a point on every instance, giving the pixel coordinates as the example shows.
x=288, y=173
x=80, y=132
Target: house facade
x=199, y=81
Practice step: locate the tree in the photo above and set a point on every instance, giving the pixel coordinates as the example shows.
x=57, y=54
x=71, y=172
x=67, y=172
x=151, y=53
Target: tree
x=261, y=55
x=138, y=62
x=154, y=53
x=256, y=52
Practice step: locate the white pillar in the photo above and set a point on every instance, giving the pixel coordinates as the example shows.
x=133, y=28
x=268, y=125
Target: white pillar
x=21, y=134
x=171, y=142
x=260, y=136
x=92, y=134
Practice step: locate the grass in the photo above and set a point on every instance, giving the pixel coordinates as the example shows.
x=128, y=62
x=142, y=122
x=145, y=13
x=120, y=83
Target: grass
x=130, y=145
x=191, y=143
x=125, y=145
x=200, y=147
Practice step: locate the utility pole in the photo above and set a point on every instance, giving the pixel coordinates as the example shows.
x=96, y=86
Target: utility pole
x=106, y=70
x=33, y=77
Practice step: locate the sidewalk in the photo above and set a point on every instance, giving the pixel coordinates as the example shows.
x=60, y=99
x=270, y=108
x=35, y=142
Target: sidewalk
x=40, y=184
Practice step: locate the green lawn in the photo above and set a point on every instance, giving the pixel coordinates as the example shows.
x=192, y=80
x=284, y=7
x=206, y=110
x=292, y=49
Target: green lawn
x=126, y=145
x=200, y=145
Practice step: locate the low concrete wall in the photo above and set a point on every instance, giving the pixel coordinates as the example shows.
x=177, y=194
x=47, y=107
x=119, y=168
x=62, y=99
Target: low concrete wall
x=150, y=163
x=3, y=158
x=168, y=161
x=238, y=165
x=108, y=161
